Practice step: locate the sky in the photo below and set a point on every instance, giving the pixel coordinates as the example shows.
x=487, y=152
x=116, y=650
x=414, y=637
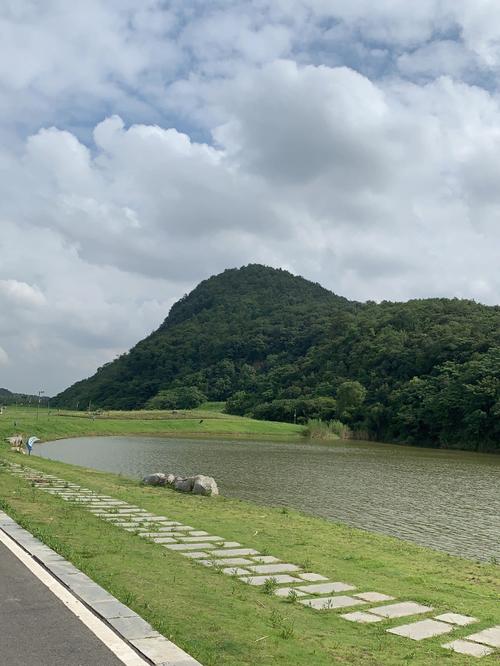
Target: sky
x=148, y=144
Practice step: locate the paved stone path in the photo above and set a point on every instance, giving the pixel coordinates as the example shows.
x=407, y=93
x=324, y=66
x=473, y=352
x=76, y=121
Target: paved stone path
x=284, y=579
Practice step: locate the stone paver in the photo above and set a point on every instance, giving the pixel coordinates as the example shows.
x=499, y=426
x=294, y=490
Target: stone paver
x=123, y=524
x=196, y=555
x=168, y=528
x=163, y=539
x=373, y=596
x=286, y=591
x=331, y=603
x=143, y=517
x=401, y=610
x=361, y=617
x=489, y=637
x=201, y=539
x=169, y=525
x=468, y=648
x=235, y=571
x=118, y=516
x=261, y=580
x=226, y=561
x=266, y=559
x=198, y=533
x=188, y=546
x=234, y=552
x=456, y=618
x=326, y=588
x=274, y=568
x=417, y=631
x=231, y=544
x=112, y=517
x=311, y=577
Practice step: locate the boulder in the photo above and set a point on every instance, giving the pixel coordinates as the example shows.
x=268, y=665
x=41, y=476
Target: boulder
x=184, y=485
x=157, y=479
x=170, y=479
x=204, y=485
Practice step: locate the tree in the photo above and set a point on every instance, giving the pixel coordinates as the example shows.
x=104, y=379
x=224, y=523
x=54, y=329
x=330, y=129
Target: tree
x=350, y=396
x=183, y=397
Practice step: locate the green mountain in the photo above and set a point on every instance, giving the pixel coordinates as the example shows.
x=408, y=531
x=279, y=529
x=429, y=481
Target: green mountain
x=280, y=347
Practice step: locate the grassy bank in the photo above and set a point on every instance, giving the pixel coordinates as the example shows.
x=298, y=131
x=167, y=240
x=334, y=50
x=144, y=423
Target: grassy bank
x=55, y=424
x=224, y=622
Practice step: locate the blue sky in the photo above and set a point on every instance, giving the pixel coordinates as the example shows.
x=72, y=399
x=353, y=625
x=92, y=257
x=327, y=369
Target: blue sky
x=146, y=145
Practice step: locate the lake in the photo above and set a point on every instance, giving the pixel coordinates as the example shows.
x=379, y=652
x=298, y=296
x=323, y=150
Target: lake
x=448, y=500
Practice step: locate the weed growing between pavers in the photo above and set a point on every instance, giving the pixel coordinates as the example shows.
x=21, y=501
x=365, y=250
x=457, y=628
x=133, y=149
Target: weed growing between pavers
x=270, y=586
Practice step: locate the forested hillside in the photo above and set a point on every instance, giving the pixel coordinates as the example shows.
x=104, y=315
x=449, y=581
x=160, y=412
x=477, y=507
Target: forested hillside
x=9, y=398
x=279, y=347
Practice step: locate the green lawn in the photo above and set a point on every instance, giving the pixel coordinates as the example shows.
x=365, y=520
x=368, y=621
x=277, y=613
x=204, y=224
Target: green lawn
x=202, y=422
x=223, y=622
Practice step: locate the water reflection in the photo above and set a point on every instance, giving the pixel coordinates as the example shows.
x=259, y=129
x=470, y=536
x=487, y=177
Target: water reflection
x=448, y=500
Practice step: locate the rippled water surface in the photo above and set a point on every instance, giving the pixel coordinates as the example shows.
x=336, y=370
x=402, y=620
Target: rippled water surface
x=448, y=500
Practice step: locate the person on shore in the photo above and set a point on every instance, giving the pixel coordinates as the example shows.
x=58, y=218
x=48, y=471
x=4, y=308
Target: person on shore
x=30, y=442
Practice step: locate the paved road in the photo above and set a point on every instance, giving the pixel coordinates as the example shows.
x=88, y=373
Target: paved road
x=36, y=629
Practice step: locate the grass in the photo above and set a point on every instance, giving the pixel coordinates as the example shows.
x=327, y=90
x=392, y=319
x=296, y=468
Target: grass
x=199, y=422
x=318, y=429
x=222, y=621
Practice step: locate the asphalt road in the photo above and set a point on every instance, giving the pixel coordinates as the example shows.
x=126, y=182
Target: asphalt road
x=36, y=629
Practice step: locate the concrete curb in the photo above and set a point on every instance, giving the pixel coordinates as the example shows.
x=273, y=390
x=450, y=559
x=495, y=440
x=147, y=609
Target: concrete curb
x=136, y=632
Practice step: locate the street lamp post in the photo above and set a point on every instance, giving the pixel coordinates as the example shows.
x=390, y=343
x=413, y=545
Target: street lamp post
x=40, y=393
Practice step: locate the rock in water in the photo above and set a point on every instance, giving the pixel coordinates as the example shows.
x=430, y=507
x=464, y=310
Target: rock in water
x=157, y=479
x=170, y=479
x=184, y=485
x=204, y=485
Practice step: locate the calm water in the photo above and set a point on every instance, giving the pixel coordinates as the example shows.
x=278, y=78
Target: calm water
x=444, y=499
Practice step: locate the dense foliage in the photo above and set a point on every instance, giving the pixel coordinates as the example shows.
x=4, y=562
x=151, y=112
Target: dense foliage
x=280, y=347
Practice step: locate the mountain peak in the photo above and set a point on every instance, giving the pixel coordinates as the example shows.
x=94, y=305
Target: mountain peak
x=255, y=285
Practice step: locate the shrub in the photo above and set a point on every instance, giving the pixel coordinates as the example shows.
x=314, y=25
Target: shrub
x=317, y=429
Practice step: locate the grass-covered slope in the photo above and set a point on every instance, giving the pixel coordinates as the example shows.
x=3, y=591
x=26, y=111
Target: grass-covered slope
x=280, y=347
x=197, y=422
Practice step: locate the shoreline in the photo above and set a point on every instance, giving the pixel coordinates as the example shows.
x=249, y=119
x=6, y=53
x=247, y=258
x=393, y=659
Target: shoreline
x=196, y=424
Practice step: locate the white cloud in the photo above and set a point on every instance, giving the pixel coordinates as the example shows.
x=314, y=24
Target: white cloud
x=20, y=293
x=146, y=147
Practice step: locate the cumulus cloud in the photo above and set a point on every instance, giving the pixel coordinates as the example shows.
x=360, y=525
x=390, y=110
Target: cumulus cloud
x=20, y=293
x=149, y=146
